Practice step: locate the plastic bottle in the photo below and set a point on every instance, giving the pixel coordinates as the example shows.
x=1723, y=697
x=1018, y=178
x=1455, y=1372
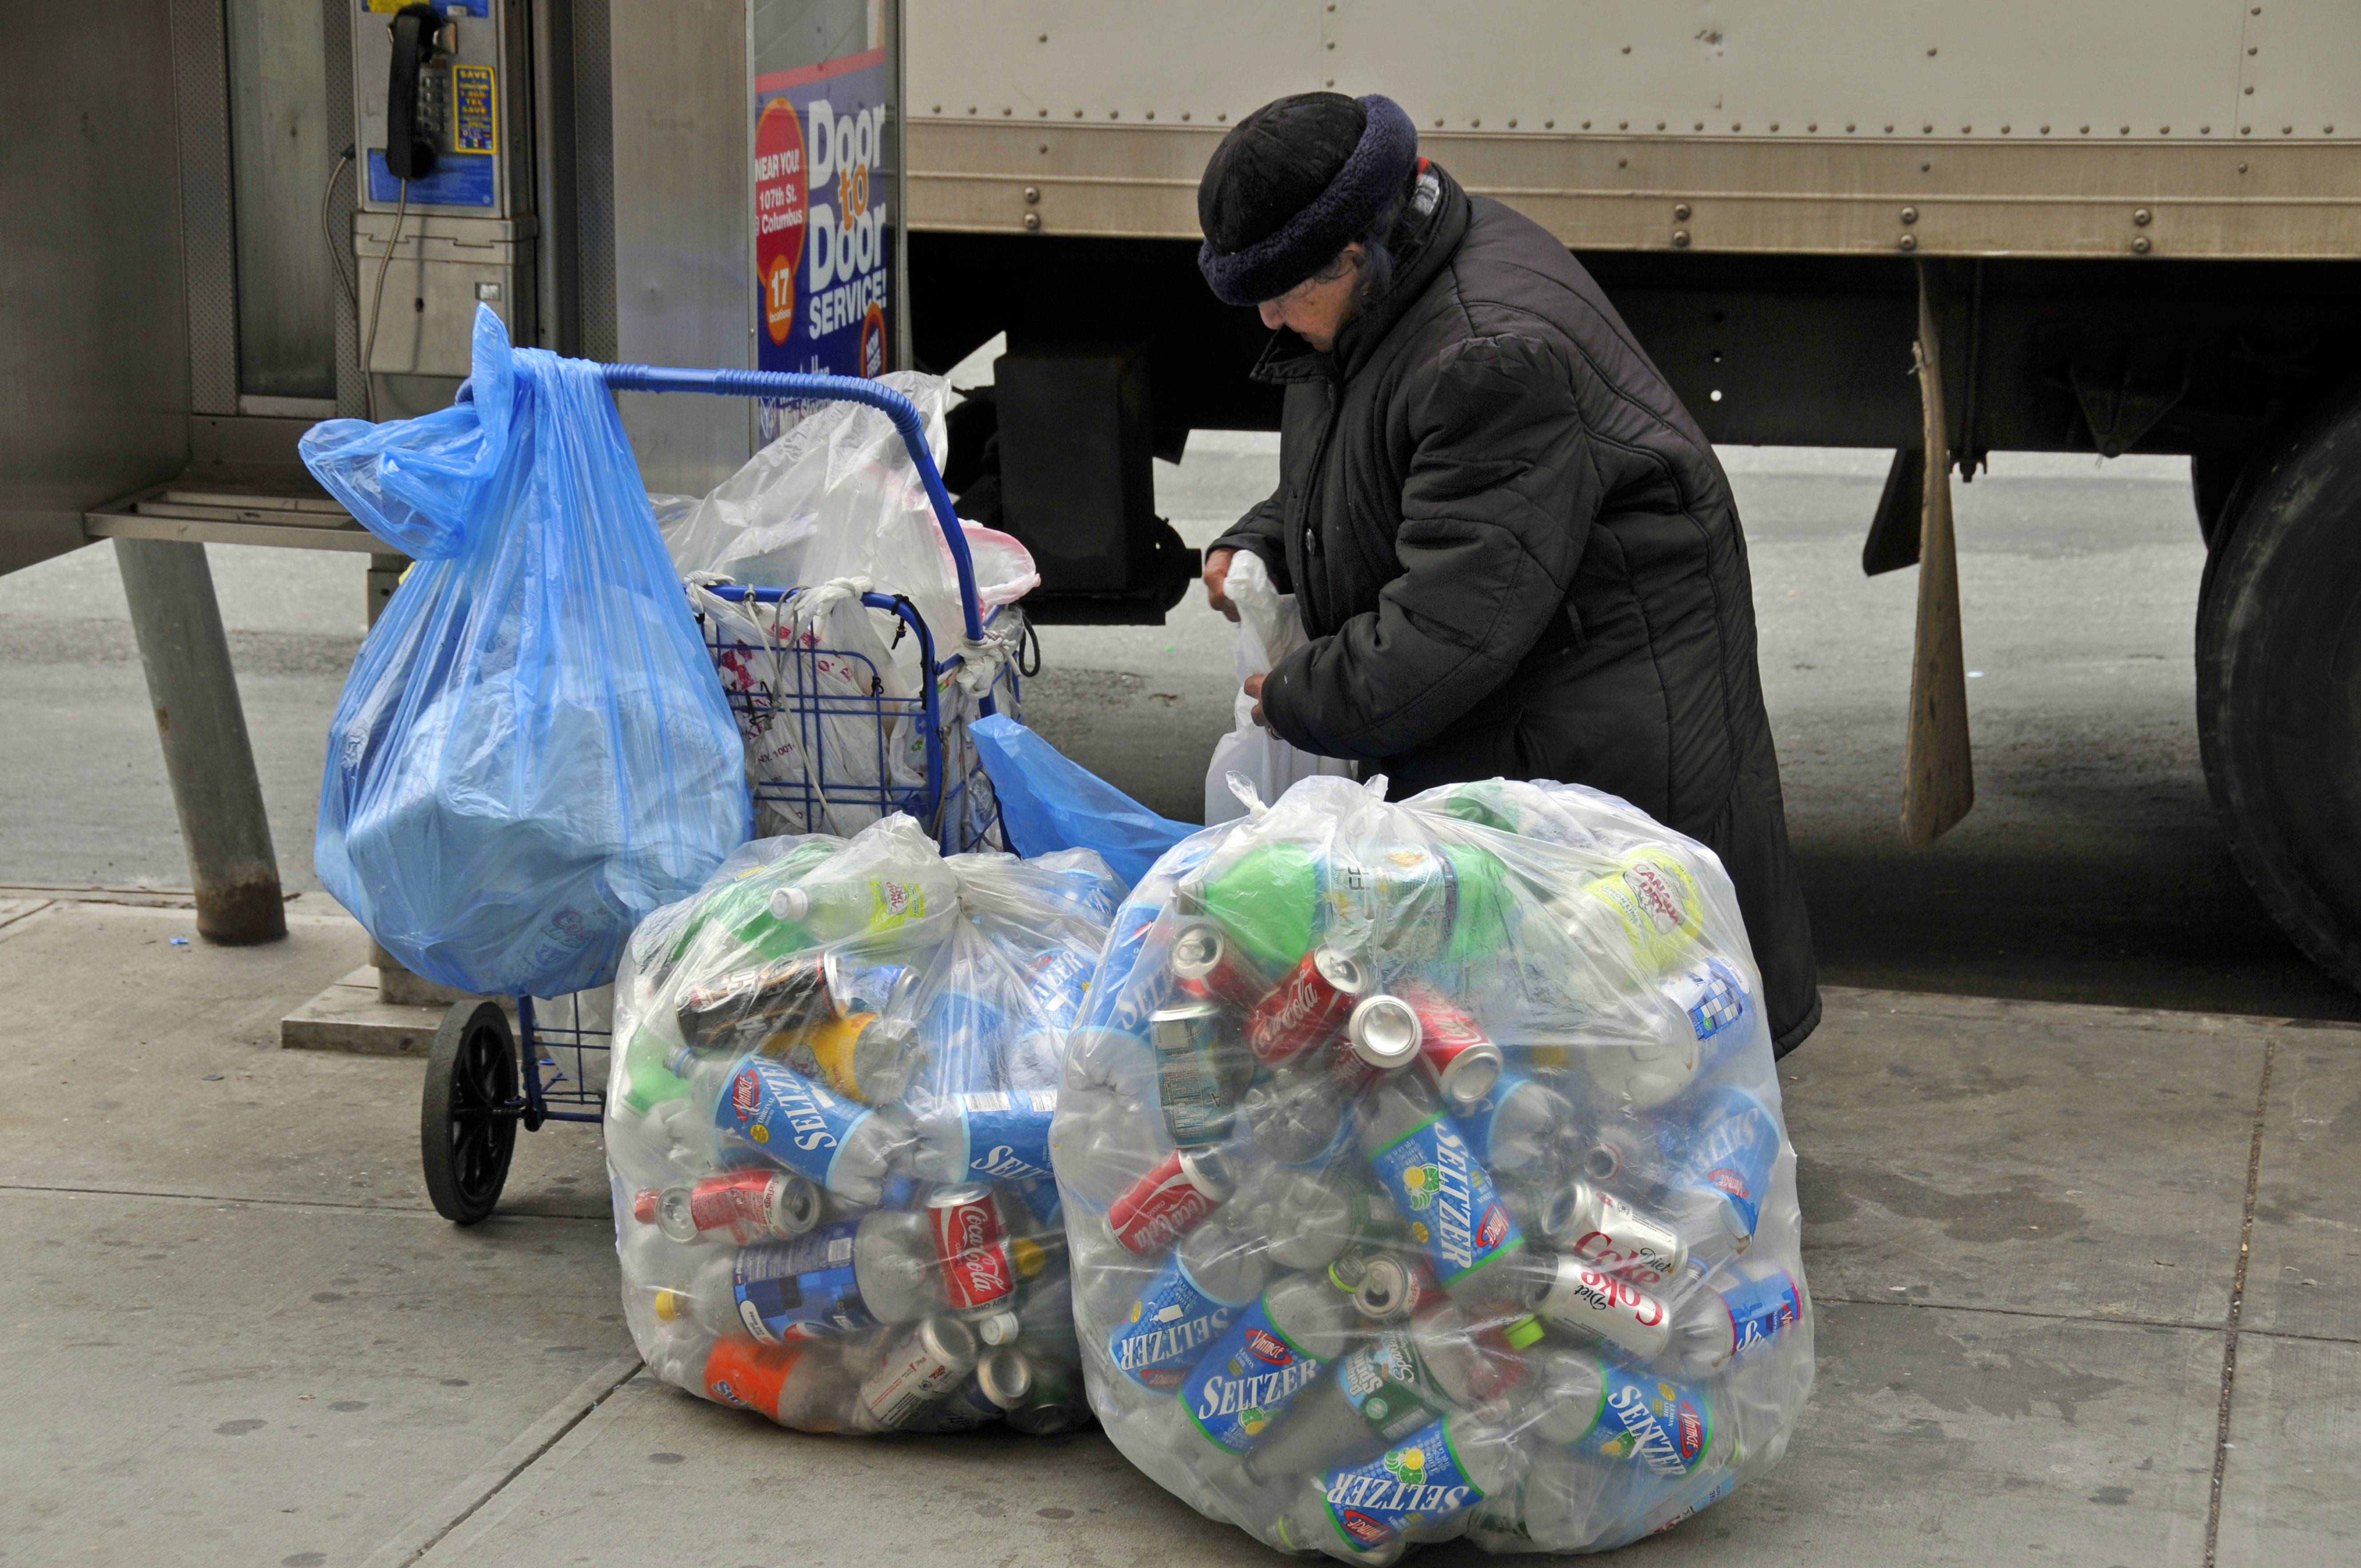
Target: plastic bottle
x=1442, y=1192
x=1712, y=1327
x=844, y=1276
x=860, y=1055
x=1093, y=1142
x=1421, y=1488
x=767, y=1109
x=1272, y=1352
x=1383, y=1391
x=806, y=1387
x=1409, y=900
x=1188, y=1304
x=991, y=1136
x=737, y=914
x=1297, y=1115
x=1518, y=1126
x=1307, y=1216
x=819, y=910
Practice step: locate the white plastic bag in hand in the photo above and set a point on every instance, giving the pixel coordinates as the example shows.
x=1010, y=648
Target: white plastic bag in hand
x=1268, y=631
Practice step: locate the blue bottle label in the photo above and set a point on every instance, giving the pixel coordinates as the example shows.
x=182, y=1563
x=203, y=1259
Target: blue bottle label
x=1735, y=1147
x=1420, y=1482
x=1448, y=1199
x=1665, y=1426
x=803, y=1289
x=1761, y=1309
x=787, y=1118
x=1059, y=980
x=1008, y=1134
x=1172, y=1324
x=1126, y=991
x=1240, y=1385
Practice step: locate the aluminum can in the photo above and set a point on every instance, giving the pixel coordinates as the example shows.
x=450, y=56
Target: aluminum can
x=748, y=1206
x=1611, y=1236
x=1207, y=963
x=1580, y=1296
x=1005, y=1374
x=979, y=1280
x=1056, y=1403
x=1170, y=1200
x=927, y=1363
x=1389, y=1289
x=1307, y=1007
x=1200, y=1073
x=742, y=1010
x=1380, y=1036
x=1466, y=1060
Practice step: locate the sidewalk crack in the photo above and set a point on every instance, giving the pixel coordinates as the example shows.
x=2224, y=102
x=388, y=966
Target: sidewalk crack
x=2237, y=1308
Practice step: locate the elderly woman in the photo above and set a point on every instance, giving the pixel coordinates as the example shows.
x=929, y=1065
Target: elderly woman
x=1512, y=548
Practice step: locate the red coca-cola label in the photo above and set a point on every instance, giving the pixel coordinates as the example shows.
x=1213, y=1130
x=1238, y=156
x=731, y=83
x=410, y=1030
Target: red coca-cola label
x=1162, y=1208
x=967, y=1243
x=1300, y=1011
x=739, y=1203
x=644, y=1205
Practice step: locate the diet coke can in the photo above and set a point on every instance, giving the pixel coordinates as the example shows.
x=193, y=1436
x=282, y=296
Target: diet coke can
x=1381, y=1036
x=1307, y=1007
x=1464, y=1059
x=1612, y=1236
x=1580, y=1297
x=1170, y=1200
x=928, y=1364
x=971, y=1244
x=1206, y=964
x=749, y=1205
x=1200, y=1071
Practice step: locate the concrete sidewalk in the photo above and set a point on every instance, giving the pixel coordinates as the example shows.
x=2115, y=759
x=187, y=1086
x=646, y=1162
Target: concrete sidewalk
x=2087, y=1283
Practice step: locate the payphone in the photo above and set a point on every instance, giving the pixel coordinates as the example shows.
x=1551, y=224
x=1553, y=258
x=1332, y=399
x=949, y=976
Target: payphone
x=445, y=219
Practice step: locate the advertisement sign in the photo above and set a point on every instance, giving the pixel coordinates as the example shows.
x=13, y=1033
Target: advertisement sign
x=823, y=236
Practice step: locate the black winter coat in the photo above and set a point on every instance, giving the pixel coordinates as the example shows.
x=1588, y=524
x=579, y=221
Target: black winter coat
x=1516, y=555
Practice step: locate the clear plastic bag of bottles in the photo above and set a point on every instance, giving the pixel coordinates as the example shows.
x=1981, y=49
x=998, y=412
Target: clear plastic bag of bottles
x=1424, y=1176
x=828, y=1124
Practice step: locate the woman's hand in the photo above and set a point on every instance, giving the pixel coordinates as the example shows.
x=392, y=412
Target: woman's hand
x=1254, y=690
x=1217, y=572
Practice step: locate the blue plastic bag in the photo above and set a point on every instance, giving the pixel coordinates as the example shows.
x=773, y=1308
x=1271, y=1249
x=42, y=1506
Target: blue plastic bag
x=533, y=751
x=1048, y=801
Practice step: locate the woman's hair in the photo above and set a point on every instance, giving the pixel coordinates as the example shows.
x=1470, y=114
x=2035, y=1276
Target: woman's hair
x=1377, y=249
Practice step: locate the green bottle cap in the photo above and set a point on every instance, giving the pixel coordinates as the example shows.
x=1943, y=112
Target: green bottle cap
x=1526, y=1332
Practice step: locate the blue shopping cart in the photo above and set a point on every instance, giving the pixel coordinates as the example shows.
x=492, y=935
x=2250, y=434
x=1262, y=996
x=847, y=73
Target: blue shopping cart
x=853, y=738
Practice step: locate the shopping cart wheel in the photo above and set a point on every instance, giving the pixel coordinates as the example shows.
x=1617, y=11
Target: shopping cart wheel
x=467, y=1127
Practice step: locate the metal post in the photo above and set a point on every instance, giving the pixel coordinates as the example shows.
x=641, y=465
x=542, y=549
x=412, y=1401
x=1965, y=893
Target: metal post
x=224, y=825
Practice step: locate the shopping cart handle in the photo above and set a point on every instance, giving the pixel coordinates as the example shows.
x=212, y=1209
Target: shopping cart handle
x=789, y=386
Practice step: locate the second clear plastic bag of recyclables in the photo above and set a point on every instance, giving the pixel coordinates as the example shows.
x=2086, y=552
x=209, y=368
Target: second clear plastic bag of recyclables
x=531, y=751
x=1424, y=1176
x=827, y=1128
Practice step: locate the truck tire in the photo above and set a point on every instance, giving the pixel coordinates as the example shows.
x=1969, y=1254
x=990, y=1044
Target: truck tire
x=2279, y=685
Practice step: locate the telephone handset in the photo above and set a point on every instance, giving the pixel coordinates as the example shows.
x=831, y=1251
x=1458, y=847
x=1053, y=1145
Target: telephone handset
x=420, y=34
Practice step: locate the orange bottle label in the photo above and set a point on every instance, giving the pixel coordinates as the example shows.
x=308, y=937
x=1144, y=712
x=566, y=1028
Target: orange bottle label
x=749, y=1375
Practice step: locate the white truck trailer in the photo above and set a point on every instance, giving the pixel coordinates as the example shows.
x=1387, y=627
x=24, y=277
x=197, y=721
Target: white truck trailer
x=2104, y=226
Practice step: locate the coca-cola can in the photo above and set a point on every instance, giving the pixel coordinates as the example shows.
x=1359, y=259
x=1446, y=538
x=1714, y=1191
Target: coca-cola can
x=1585, y=1299
x=1206, y=964
x=1307, y=1007
x=1200, y=1071
x=1389, y=1289
x=1170, y=1200
x=1610, y=1235
x=1381, y=1036
x=1466, y=1060
x=927, y=1364
x=749, y=1206
x=970, y=1246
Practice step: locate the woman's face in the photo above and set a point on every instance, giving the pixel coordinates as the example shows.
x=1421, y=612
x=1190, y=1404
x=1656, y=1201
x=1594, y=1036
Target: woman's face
x=1317, y=309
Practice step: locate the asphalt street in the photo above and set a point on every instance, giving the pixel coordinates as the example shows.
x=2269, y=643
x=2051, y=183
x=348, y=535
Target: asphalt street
x=2091, y=870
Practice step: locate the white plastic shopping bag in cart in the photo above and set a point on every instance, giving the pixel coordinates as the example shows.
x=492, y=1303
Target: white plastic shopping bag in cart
x=1268, y=631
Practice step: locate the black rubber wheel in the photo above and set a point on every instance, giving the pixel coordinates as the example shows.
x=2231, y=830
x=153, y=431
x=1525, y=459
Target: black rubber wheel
x=2214, y=485
x=467, y=1124
x=2279, y=685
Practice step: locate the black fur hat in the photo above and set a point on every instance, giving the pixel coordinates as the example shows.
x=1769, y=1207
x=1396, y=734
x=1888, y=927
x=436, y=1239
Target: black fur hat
x=1295, y=182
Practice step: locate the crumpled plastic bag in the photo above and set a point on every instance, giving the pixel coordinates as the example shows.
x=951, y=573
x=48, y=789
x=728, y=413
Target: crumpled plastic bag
x=1424, y=1176
x=531, y=751
x=837, y=496
x=827, y=1123
x=1048, y=801
x=1268, y=631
